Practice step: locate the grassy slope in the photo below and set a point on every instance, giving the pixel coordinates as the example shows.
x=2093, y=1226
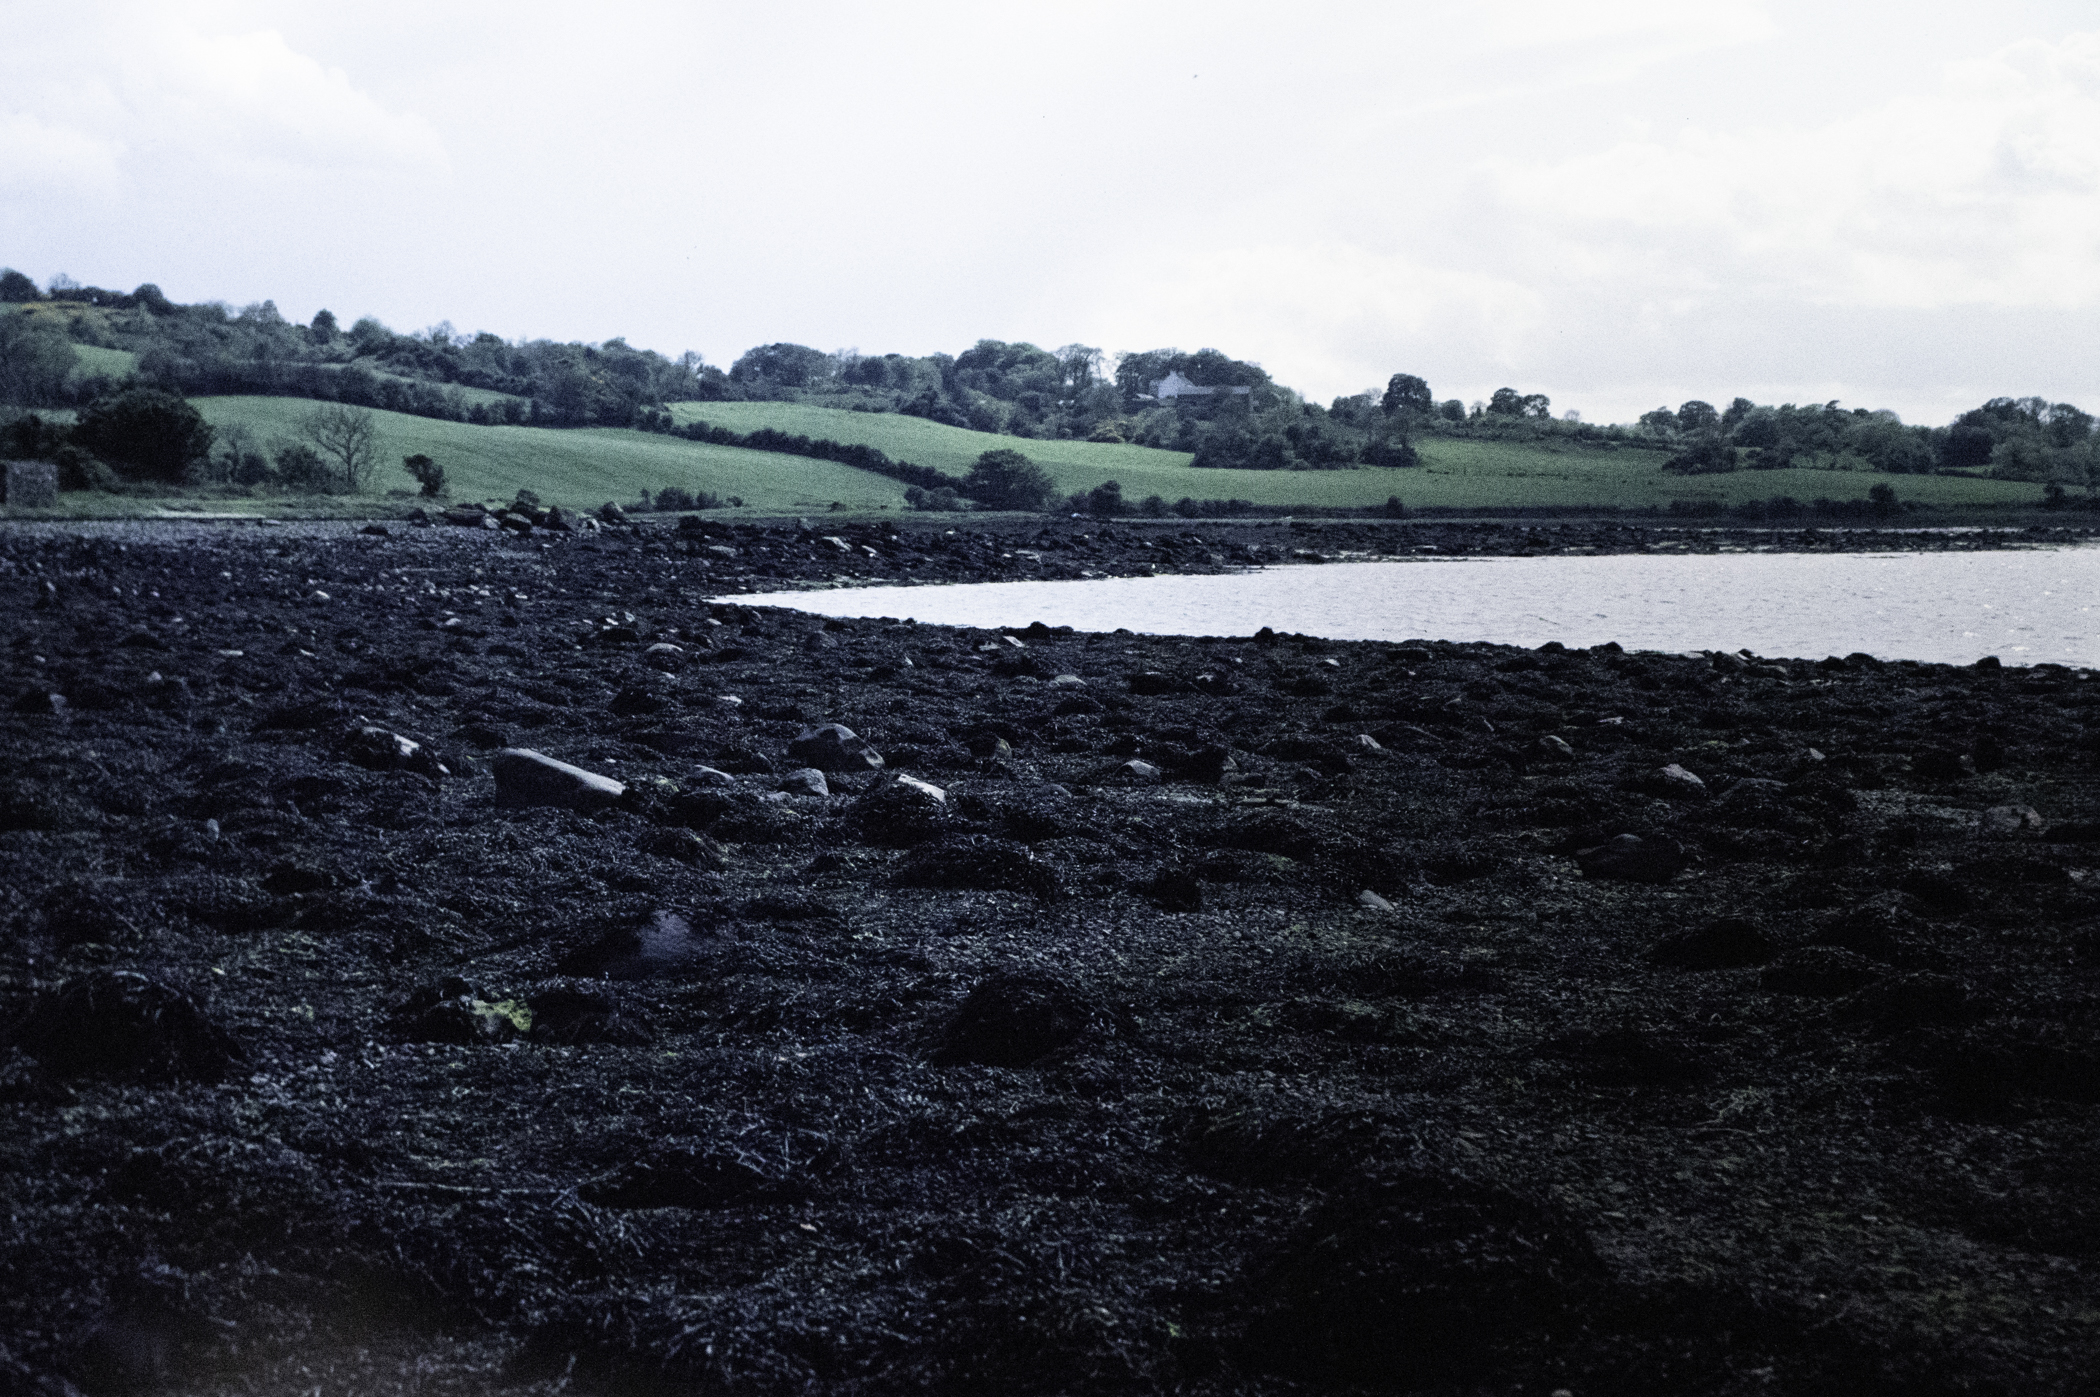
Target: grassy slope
x=580, y=468
x=1464, y=474
x=110, y=363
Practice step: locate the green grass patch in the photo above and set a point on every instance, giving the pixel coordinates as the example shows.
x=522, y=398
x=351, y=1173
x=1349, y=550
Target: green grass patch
x=577, y=468
x=1455, y=473
x=110, y=363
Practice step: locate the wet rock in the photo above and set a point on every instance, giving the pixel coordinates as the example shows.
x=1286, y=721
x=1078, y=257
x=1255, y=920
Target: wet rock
x=805, y=781
x=381, y=749
x=834, y=747
x=1134, y=772
x=663, y=943
x=1819, y=971
x=981, y=862
x=525, y=778
x=1555, y=749
x=1412, y=1280
x=1724, y=943
x=1634, y=858
x=1673, y=781
x=1020, y=1018
x=686, y=846
x=1369, y=746
x=453, y=1012
x=1372, y=902
x=901, y=811
x=122, y=1024
x=2011, y=822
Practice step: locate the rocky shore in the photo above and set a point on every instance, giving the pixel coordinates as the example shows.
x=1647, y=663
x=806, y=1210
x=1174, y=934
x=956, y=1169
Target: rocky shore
x=463, y=960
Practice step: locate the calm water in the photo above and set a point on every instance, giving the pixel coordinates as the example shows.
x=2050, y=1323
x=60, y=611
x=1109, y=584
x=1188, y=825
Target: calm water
x=2024, y=607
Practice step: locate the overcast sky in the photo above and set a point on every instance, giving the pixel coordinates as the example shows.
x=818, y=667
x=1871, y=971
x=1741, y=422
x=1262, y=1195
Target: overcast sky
x=1617, y=203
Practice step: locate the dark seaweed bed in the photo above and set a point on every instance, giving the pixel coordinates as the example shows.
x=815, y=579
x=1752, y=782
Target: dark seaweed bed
x=323, y=1071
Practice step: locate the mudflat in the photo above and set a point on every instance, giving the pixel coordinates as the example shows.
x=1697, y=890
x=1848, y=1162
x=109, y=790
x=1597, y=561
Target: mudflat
x=470, y=959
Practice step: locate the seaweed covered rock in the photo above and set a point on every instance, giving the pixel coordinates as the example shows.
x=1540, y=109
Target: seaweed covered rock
x=978, y=861
x=901, y=811
x=121, y=1024
x=1019, y=1018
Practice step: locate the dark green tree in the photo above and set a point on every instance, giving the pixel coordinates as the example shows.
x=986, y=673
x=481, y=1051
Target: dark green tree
x=1005, y=479
x=15, y=287
x=324, y=329
x=1696, y=416
x=428, y=473
x=1406, y=393
x=146, y=434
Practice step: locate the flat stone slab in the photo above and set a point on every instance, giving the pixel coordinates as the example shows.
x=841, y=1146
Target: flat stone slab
x=526, y=777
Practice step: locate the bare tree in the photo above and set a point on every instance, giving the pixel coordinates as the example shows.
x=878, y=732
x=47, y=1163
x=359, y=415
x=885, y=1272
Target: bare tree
x=347, y=436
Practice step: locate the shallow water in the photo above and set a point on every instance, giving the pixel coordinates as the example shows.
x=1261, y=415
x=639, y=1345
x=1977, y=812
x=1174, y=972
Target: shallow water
x=2024, y=606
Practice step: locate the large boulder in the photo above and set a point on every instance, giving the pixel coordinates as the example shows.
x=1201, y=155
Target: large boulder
x=525, y=777
x=901, y=810
x=834, y=747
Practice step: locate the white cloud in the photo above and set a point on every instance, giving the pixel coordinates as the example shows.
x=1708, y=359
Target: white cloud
x=42, y=159
x=250, y=98
x=1984, y=191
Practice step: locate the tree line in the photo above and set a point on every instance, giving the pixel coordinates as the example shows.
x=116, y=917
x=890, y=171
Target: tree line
x=1238, y=417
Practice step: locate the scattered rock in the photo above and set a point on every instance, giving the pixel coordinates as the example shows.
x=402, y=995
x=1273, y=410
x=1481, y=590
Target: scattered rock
x=686, y=846
x=525, y=777
x=381, y=749
x=1633, y=858
x=1674, y=780
x=709, y=776
x=1556, y=749
x=1372, y=902
x=834, y=747
x=805, y=781
x=2011, y=822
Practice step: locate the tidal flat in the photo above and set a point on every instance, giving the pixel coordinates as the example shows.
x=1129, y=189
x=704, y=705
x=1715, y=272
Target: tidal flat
x=1102, y=1013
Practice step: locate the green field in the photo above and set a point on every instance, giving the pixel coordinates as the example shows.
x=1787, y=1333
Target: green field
x=581, y=468
x=1454, y=473
x=110, y=363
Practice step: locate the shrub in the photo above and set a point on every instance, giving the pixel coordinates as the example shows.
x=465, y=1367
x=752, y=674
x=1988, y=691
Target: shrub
x=672, y=499
x=146, y=434
x=1005, y=479
x=300, y=467
x=79, y=471
x=428, y=473
x=1709, y=455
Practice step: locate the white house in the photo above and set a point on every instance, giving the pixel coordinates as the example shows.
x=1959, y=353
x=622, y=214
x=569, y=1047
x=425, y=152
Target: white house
x=1175, y=386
